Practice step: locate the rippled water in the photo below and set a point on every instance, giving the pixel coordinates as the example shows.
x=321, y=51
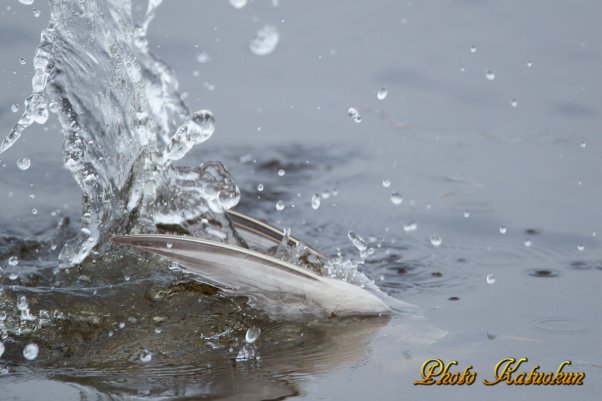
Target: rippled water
x=486, y=166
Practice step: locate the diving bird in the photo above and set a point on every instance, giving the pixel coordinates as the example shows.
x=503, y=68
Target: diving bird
x=278, y=287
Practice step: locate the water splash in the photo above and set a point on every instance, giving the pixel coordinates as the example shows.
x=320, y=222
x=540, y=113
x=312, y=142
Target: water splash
x=124, y=129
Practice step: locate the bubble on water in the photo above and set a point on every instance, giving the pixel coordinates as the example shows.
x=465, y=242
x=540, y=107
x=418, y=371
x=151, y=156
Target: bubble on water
x=466, y=214
x=529, y=63
x=247, y=353
x=490, y=75
x=146, y=355
x=357, y=241
x=353, y=113
x=13, y=276
x=490, y=278
x=513, y=103
x=1, y=349
x=157, y=330
x=280, y=205
x=26, y=2
x=473, y=49
x=30, y=352
x=14, y=108
x=396, y=198
x=22, y=303
x=265, y=41
x=410, y=226
x=382, y=93
x=436, y=240
x=503, y=229
x=583, y=144
x=36, y=12
x=34, y=211
x=252, y=334
x=203, y=57
x=169, y=245
x=238, y=3
x=528, y=243
x=386, y=183
x=281, y=172
x=260, y=187
x=24, y=163
x=315, y=201
x=580, y=247
x=13, y=261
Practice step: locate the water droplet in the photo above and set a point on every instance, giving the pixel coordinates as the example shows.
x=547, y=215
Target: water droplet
x=13, y=261
x=238, y=3
x=529, y=63
x=203, y=57
x=473, y=49
x=514, y=103
x=252, y=334
x=36, y=12
x=503, y=229
x=281, y=172
x=196, y=130
x=169, y=245
x=436, y=240
x=382, y=93
x=22, y=303
x=26, y=2
x=22, y=61
x=490, y=75
x=1, y=349
x=490, y=278
x=594, y=234
x=265, y=41
x=386, y=183
x=280, y=205
x=14, y=108
x=260, y=187
x=157, y=330
x=353, y=113
x=30, y=352
x=146, y=355
x=583, y=144
x=315, y=201
x=23, y=163
x=357, y=241
x=528, y=243
x=410, y=226
x=34, y=211
x=396, y=198
x=466, y=214
x=580, y=247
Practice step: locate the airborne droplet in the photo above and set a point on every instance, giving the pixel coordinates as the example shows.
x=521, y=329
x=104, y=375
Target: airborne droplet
x=265, y=41
x=353, y=113
x=238, y=3
x=490, y=278
x=280, y=205
x=386, y=183
x=382, y=93
x=315, y=201
x=23, y=163
x=436, y=240
x=490, y=75
x=396, y=198
x=252, y=334
x=30, y=352
x=503, y=229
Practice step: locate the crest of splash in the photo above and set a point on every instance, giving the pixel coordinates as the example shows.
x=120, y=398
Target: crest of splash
x=124, y=125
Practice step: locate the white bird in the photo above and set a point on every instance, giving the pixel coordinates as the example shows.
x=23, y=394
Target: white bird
x=280, y=288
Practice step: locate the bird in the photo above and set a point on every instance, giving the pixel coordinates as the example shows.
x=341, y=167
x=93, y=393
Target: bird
x=278, y=287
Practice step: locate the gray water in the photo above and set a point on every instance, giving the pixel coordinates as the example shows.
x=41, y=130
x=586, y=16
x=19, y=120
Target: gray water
x=449, y=140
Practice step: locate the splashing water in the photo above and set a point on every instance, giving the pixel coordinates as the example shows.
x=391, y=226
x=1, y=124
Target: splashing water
x=122, y=130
